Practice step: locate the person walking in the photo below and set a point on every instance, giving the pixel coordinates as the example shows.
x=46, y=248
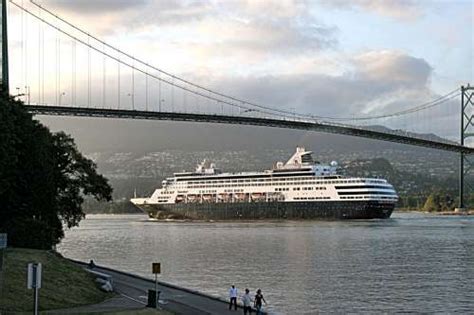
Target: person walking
x=258, y=301
x=246, y=301
x=233, y=297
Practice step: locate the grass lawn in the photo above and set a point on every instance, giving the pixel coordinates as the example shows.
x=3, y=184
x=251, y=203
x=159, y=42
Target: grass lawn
x=64, y=284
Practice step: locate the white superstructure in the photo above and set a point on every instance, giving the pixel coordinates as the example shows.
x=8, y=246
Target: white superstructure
x=300, y=179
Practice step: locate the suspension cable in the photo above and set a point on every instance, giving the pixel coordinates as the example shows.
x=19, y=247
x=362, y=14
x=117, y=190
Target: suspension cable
x=212, y=94
x=423, y=106
x=174, y=77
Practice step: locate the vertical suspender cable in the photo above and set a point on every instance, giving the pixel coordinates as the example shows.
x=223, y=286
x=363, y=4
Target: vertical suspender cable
x=146, y=91
x=22, y=60
x=197, y=103
x=133, y=85
x=423, y=123
x=56, y=70
x=25, y=56
x=41, y=38
x=42, y=64
x=88, y=72
x=27, y=92
x=59, y=70
x=449, y=114
x=209, y=104
x=75, y=73
x=184, y=100
x=446, y=127
x=172, y=94
x=160, y=100
x=118, y=84
x=72, y=72
x=103, y=78
x=39, y=61
x=418, y=125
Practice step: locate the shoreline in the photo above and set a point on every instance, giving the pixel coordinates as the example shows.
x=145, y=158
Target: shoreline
x=447, y=213
x=148, y=219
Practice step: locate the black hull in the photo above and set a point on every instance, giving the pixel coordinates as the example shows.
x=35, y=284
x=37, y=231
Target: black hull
x=328, y=210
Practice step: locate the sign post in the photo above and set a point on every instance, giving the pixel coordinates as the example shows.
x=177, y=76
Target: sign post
x=4, y=84
x=3, y=240
x=156, y=268
x=34, y=282
x=3, y=245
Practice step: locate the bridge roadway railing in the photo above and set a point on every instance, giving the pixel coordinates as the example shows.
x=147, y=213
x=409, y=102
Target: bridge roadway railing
x=301, y=124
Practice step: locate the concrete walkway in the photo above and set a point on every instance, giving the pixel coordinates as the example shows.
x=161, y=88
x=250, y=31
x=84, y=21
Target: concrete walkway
x=133, y=293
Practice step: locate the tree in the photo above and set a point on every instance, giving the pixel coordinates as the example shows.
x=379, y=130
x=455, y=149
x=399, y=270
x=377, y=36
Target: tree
x=43, y=180
x=432, y=203
x=439, y=201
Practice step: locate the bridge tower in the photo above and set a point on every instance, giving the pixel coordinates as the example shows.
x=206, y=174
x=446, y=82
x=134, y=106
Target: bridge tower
x=467, y=130
x=4, y=85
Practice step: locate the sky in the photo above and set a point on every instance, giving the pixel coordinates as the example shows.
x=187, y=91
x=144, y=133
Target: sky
x=330, y=58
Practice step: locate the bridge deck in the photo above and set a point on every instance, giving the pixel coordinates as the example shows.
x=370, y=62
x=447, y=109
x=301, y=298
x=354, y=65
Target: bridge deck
x=243, y=120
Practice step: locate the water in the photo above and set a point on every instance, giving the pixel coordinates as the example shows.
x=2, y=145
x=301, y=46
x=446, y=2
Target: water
x=409, y=263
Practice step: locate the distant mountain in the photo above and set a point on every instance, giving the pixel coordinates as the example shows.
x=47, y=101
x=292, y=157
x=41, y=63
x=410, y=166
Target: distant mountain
x=428, y=136
x=147, y=151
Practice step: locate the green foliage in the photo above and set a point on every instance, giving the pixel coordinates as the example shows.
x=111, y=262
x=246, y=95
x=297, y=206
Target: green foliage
x=438, y=202
x=43, y=178
x=431, y=204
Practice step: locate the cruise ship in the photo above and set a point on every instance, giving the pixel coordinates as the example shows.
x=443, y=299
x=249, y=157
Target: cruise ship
x=296, y=190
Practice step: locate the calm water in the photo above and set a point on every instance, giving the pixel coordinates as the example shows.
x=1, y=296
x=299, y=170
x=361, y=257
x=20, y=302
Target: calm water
x=409, y=263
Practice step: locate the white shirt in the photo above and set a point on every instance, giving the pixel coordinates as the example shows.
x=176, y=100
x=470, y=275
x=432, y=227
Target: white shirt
x=233, y=292
x=246, y=300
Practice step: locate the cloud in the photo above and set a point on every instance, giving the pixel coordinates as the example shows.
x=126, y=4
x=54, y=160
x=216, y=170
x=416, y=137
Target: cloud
x=259, y=39
x=275, y=8
x=397, y=68
x=110, y=17
x=100, y=17
x=269, y=27
x=404, y=10
x=93, y=7
x=377, y=82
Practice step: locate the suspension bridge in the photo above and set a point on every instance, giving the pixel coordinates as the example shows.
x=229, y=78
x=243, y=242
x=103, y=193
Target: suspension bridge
x=64, y=70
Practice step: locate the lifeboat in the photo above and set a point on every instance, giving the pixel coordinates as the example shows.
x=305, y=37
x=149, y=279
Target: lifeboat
x=179, y=198
x=192, y=198
x=208, y=198
x=241, y=197
x=257, y=197
x=224, y=197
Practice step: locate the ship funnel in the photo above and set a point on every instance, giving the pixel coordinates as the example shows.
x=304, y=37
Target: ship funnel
x=300, y=157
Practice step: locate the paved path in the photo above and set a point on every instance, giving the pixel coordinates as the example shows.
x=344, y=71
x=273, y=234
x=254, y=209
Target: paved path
x=174, y=300
x=133, y=292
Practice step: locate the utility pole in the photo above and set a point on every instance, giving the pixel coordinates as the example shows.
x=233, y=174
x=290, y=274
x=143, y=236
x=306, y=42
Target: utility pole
x=467, y=130
x=5, y=86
